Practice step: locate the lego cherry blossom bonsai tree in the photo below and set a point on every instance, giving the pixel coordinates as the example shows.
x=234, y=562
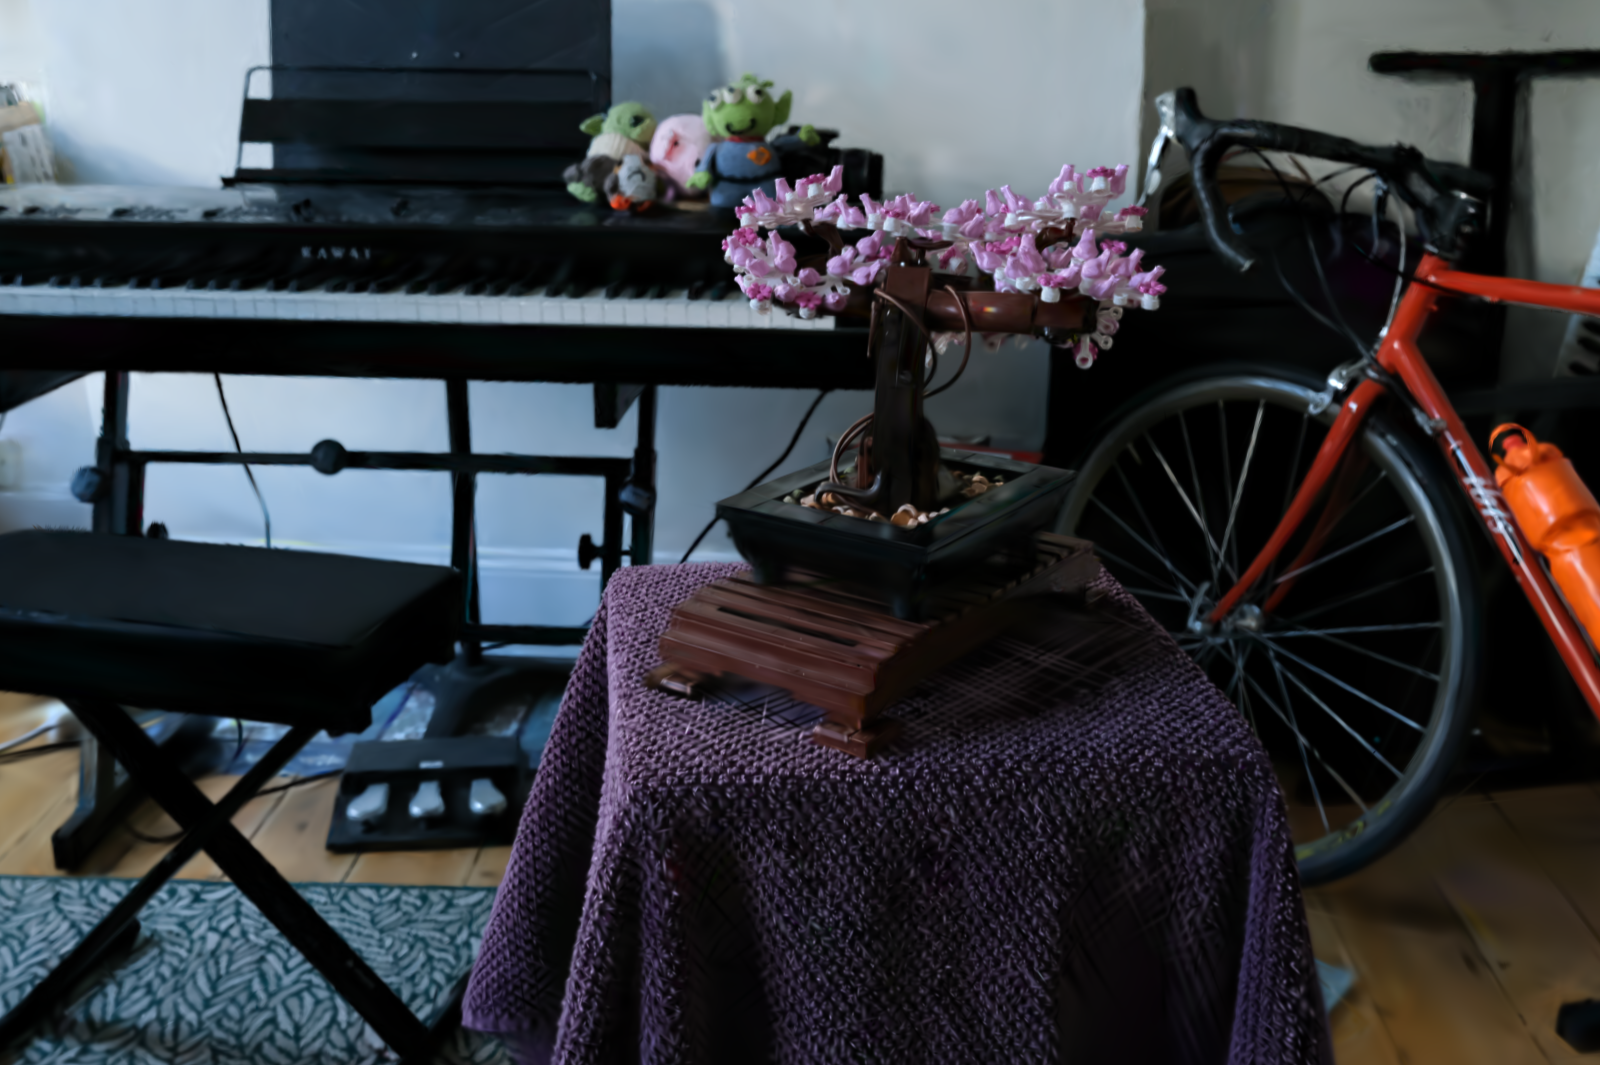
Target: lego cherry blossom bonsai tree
x=1006, y=266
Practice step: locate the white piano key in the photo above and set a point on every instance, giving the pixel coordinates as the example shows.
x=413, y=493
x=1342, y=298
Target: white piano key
x=672, y=311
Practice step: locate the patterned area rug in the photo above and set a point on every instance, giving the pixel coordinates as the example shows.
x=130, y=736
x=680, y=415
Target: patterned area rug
x=211, y=981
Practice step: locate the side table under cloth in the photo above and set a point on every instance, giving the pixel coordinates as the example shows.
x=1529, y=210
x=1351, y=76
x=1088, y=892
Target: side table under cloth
x=1027, y=876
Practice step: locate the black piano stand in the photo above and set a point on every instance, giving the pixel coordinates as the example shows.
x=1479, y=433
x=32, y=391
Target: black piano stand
x=115, y=487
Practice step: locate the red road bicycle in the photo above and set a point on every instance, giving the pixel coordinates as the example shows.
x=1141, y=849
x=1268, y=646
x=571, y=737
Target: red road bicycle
x=1297, y=537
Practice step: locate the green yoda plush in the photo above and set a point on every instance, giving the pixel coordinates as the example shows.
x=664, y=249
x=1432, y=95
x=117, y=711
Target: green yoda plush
x=622, y=131
x=744, y=113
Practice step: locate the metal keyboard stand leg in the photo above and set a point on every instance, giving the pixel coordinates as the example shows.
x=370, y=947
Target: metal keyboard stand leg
x=639, y=494
x=115, y=486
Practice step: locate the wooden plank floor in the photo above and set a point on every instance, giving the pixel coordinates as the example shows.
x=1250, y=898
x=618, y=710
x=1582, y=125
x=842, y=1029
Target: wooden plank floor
x=1465, y=941
x=289, y=827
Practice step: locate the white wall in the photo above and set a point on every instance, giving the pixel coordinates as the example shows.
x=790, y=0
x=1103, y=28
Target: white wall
x=1305, y=62
x=147, y=91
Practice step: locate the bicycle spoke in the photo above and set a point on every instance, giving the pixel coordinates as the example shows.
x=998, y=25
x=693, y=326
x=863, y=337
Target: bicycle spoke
x=1160, y=556
x=1341, y=601
x=1294, y=463
x=1360, y=650
x=1239, y=661
x=1244, y=474
x=1194, y=473
x=1350, y=507
x=1305, y=762
x=1150, y=526
x=1363, y=696
x=1314, y=563
x=1124, y=563
x=1213, y=552
x=1369, y=748
x=1146, y=593
x=1323, y=762
x=1227, y=468
x=1360, y=628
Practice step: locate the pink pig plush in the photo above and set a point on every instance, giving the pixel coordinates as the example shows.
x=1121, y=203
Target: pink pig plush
x=675, y=151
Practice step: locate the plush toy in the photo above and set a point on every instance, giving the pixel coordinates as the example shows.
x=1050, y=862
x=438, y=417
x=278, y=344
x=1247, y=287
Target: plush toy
x=744, y=113
x=633, y=185
x=623, y=131
x=676, y=150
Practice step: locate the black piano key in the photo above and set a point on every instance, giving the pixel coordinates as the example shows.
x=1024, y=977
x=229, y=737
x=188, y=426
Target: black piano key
x=720, y=290
x=530, y=281
x=655, y=291
x=390, y=282
x=697, y=289
x=476, y=287
x=563, y=276
x=309, y=281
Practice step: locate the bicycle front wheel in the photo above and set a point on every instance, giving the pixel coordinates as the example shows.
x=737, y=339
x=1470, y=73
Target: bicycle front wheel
x=1352, y=658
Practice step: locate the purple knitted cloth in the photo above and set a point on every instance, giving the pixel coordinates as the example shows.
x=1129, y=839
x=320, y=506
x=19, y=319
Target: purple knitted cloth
x=1034, y=873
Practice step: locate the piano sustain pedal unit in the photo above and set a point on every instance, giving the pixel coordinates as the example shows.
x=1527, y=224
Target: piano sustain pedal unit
x=461, y=791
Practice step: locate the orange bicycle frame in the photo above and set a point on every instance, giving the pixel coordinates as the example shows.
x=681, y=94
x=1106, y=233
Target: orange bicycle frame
x=1400, y=357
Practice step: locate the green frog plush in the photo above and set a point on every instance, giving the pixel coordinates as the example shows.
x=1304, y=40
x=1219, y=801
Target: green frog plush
x=744, y=113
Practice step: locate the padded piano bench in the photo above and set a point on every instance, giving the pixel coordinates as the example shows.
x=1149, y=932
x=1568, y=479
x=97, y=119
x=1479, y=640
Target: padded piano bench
x=306, y=640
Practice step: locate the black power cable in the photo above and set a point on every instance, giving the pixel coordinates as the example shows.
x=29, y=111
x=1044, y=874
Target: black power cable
x=793, y=440
x=266, y=517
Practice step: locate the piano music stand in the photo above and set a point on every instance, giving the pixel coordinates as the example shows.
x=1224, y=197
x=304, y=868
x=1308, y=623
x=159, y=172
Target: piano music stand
x=103, y=621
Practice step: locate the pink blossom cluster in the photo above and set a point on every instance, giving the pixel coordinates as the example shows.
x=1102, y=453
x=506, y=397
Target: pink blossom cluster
x=766, y=272
x=792, y=205
x=999, y=236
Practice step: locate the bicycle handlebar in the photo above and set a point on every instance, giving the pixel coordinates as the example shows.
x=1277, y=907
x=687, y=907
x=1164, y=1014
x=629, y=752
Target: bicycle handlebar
x=1445, y=196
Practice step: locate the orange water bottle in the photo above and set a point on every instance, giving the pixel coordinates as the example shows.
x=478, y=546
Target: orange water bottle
x=1557, y=513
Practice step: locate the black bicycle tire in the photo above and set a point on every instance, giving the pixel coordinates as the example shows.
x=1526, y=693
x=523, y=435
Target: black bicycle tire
x=1428, y=486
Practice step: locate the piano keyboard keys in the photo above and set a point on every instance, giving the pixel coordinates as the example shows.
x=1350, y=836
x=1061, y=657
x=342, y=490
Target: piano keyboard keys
x=248, y=298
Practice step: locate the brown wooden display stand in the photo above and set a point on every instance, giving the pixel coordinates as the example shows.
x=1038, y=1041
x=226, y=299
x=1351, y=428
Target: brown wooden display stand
x=839, y=648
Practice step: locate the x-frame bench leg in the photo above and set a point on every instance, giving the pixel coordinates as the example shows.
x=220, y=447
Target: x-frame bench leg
x=208, y=826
